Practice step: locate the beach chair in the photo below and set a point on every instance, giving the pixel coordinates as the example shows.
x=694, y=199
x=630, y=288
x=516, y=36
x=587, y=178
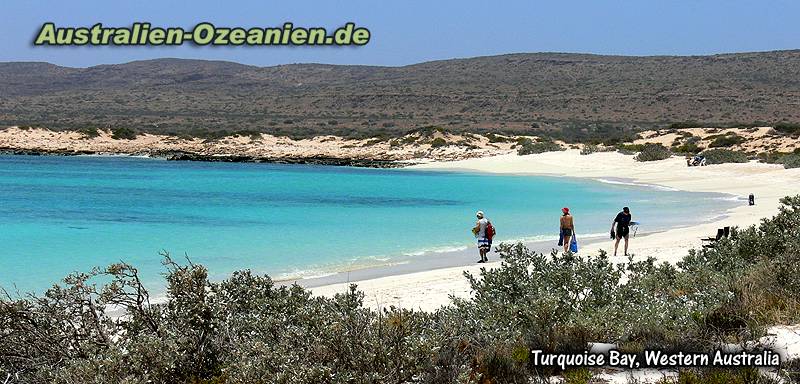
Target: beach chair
x=726, y=232
x=712, y=240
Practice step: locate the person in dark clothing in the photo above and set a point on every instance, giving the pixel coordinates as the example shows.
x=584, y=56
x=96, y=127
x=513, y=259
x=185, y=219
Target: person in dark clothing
x=622, y=223
x=567, y=228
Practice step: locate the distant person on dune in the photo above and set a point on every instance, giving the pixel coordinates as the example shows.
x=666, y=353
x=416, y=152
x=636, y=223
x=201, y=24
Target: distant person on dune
x=481, y=231
x=567, y=227
x=622, y=223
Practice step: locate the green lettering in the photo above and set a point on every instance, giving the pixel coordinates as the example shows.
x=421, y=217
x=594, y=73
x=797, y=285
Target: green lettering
x=47, y=35
x=343, y=36
x=361, y=36
x=203, y=33
x=122, y=37
x=316, y=36
x=299, y=36
x=97, y=30
x=81, y=36
x=255, y=36
x=156, y=36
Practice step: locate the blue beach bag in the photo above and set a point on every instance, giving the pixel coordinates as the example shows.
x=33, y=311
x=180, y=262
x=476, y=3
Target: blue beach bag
x=573, y=245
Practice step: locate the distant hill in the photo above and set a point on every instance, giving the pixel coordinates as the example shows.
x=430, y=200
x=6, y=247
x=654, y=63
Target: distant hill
x=565, y=94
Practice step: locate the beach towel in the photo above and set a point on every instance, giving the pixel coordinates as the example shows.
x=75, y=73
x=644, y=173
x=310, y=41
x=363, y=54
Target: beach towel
x=573, y=245
x=560, y=238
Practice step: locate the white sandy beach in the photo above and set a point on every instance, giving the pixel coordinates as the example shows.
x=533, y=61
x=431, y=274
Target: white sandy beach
x=429, y=290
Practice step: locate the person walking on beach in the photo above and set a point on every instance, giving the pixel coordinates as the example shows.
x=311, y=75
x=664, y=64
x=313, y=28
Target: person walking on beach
x=622, y=223
x=567, y=227
x=481, y=231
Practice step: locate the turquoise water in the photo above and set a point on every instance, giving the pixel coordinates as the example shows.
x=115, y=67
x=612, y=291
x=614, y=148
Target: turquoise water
x=64, y=214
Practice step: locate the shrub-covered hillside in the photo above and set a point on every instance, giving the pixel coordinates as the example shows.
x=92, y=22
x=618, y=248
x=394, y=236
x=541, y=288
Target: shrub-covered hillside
x=575, y=97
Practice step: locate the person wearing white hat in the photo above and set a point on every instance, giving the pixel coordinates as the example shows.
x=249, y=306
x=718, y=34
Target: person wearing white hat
x=484, y=241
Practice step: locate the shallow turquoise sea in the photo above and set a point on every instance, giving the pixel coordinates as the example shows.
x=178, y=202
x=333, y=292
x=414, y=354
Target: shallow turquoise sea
x=65, y=214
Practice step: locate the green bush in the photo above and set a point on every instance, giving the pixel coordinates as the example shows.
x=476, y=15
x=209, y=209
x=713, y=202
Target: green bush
x=123, y=133
x=629, y=149
x=790, y=161
x=438, y=142
x=653, y=152
x=685, y=124
x=788, y=128
x=721, y=156
x=89, y=133
x=770, y=157
x=526, y=146
x=497, y=139
x=728, y=140
x=688, y=148
x=591, y=148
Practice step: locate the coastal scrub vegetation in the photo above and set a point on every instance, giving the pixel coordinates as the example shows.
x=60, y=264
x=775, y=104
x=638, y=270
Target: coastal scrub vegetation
x=788, y=128
x=247, y=329
x=89, y=132
x=123, y=133
x=438, y=142
x=722, y=156
x=688, y=146
x=788, y=159
x=653, y=152
x=526, y=146
x=727, y=140
x=588, y=149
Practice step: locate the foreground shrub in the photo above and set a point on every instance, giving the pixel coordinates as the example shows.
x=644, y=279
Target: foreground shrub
x=653, y=152
x=722, y=156
x=719, y=376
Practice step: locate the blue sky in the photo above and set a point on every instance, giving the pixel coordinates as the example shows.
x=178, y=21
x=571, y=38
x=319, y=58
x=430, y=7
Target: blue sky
x=410, y=31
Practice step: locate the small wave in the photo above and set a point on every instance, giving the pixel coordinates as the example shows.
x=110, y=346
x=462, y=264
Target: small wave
x=528, y=239
x=444, y=249
x=731, y=198
x=298, y=274
x=634, y=184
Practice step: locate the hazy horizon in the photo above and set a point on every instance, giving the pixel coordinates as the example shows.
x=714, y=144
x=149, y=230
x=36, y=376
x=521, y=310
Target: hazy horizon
x=390, y=66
